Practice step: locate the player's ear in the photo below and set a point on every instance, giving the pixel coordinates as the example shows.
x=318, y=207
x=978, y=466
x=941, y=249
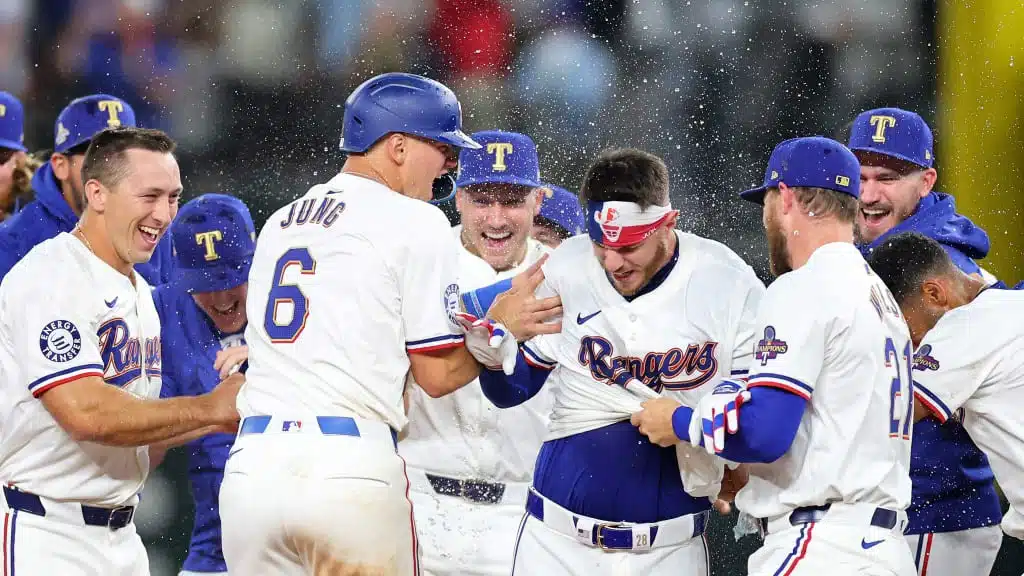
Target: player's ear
x=61, y=166
x=538, y=197
x=96, y=195
x=929, y=177
x=934, y=293
x=460, y=199
x=787, y=197
x=398, y=147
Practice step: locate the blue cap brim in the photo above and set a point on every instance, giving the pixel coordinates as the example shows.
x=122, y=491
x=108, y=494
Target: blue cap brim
x=459, y=139
x=755, y=195
x=890, y=154
x=212, y=278
x=12, y=145
x=489, y=179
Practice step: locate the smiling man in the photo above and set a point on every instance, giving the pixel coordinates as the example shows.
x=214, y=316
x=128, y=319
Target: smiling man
x=203, y=319
x=467, y=459
x=955, y=513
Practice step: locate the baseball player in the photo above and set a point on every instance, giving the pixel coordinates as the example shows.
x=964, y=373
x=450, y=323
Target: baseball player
x=469, y=463
x=955, y=511
x=353, y=287
x=12, y=151
x=560, y=216
x=202, y=319
x=59, y=187
x=81, y=364
x=969, y=361
x=827, y=429
x=648, y=311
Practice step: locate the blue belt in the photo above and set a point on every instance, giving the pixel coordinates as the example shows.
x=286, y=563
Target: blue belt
x=329, y=425
x=113, y=518
x=881, y=518
x=611, y=536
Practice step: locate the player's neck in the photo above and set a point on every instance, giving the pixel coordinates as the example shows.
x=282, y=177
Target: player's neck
x=98, y=242
x=364, y=167
x=810, y=236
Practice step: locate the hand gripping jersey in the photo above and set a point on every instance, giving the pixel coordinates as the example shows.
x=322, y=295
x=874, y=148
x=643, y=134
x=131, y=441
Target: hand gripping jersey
x=831, y=332
x=463, y=435
x=694, y=327
x=971, y=366
x=68, y=315
x=345, y=282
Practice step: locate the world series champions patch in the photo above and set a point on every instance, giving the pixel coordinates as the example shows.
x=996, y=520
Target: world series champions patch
x=769, y=347
x=60, y=341
x=923, y=359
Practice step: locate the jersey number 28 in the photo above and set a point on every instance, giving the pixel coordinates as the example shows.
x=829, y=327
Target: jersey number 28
x=289, y=295
x=901, y=401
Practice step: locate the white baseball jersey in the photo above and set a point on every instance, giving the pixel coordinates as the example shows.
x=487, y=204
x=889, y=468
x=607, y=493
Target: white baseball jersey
x=347, y=281
x=694, y=328
x=69, y=315
x=974, y=359
x=831, y=332
x=463, y=435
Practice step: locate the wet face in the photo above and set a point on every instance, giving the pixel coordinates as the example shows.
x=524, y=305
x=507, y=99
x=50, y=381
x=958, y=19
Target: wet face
x=496, y=221
x=546, y=233
x=8, y=163
x=226, y=308
x=139, y=208
x=890, y=190
x=423, y=162
x=67, y=168
x=630, y=268
x=779, y=260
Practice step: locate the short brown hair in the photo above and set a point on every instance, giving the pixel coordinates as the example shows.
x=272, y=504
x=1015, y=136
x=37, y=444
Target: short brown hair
x=822, y=202
x=105, y=158
x=626, y=175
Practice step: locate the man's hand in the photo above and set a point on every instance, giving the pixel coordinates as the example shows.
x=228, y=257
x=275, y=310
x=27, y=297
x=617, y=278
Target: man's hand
x=222, y=402
x=655, y=421
x=732, y=482
x=520, y=312
x=229, y=359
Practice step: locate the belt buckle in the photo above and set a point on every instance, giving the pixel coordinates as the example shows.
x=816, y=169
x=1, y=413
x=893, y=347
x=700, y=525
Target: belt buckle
x=117, y=513
x=600, y=535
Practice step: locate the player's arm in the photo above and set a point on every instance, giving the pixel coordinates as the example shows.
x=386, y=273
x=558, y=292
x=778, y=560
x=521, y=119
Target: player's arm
x=90, y=410
x=530, y=374
x=951, y=364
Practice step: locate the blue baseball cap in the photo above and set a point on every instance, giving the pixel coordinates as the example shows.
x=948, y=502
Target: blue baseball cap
x=214, y=239
x=503, y=158
x=812, y=162
x=80, y=120
x=893, y=132
x=563, y=208
x=12, y=123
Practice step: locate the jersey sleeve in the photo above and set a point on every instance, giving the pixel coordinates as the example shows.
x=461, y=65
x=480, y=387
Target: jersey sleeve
x=746, y=325
x=950, y=365
x=788, y=341
x=430, y=289
x=56, y=343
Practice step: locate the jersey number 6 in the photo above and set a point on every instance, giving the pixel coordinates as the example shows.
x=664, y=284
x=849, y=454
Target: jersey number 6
x=282, y=294
x=901, y=402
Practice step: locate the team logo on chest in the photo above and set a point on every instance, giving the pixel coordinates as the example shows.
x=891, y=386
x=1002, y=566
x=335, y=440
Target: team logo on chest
x=124, y=356
x=769, y=347
x=923, y=359
x=674, y=369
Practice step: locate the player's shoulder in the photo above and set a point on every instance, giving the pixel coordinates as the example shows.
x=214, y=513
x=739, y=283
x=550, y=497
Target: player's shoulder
x=568, y=257
x=987, y=314
x=49, y=261
x=714, y=258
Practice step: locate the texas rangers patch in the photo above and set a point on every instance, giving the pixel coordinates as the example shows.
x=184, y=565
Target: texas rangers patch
x=60, y=341
x=769, y=347
x=923, y=359
x=451, y=302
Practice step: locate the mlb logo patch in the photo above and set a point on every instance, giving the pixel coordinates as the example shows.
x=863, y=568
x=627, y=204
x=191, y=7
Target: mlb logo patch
x=291, y=426
x=769, y=347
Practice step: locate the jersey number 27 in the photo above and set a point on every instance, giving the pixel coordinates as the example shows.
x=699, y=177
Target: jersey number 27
x=901, y=401
x=289, y=295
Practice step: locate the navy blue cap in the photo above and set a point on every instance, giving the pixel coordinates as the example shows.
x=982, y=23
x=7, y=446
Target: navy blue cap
x=12, y=123
x=563, y=208
x=503, y=158
x=80, y=120
x=214, y=239
x=811, y=162
x=893, y=132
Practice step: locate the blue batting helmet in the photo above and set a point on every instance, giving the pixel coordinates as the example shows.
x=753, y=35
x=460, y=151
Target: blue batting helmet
x=406, y=103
